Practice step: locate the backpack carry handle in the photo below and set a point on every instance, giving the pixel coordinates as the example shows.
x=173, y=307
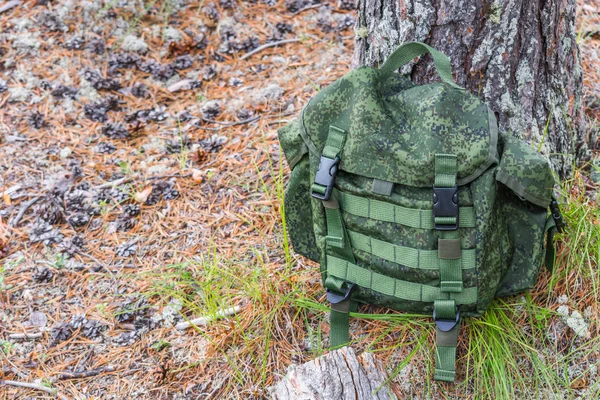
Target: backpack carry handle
x=408, y=51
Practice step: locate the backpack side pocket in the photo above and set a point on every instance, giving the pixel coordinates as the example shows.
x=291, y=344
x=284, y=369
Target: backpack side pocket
x=297, y=207
x=525, y=191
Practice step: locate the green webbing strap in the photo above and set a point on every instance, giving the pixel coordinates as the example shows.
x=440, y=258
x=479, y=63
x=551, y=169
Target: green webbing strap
x=339, y=328
x=335, y=227
x=445, y=177
x=404, y=290
x=410, y=51
x=445, y=341
x=335, y=142
x=445, y=170
x=333, y=147
x=550, y=230
x=449, y=252
x=339, y=318
x=386, y=212
x=337, y=243
x=407, y=256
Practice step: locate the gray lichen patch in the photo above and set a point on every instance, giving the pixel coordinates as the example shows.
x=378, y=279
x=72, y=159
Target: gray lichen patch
x=135, y=44
x=171, y=34
x=574, y=320
x=18, y=94
x=26, y=42
x=21, y=24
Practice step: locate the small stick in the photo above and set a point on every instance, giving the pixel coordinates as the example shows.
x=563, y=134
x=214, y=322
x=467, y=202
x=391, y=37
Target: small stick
x=306, y=9
x=226, y=124
x=203, y=321
x=36, y=335
x=121, y=181
x=13, y=222
x=266, y=46
x=127, y=327
x=12, y=189
x=9, y=5
x=104, y=266
x=184, y=84
x=30, y=386
x=85, y=374
x=116, y=182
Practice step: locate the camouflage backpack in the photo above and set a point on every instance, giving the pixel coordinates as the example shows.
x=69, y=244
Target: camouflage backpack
x=410, y=198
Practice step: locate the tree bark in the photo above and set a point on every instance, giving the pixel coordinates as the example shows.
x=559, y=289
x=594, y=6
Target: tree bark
x=338, y=375
x=520, y=56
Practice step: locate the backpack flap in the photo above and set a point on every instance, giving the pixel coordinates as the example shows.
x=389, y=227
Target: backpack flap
x=525, y=172
x=393, y=136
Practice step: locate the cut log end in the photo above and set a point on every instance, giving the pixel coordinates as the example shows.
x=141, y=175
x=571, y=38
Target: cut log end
x=338, y=375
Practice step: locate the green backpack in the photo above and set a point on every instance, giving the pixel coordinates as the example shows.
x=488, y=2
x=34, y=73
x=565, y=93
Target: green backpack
x=410, y=198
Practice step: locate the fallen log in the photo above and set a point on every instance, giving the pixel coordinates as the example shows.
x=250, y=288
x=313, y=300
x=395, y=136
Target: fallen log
x=338, y=375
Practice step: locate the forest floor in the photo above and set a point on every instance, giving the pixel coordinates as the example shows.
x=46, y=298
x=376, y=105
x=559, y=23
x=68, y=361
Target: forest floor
x=141, y=186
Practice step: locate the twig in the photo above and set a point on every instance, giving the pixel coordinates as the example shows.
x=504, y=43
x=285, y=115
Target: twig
x=82, y=363
x=30, y=386
x=184, y=84
x=127, y=327
x=13, y=222
x=36, y=335
x=266, y=46
x=104, y=267
x=226, y=124
x=116, y=182
x=121, y=181
x=203, y=321
x=12, y=189
x=177, y=175
x=9, y=5
x=306, y=9
x=85, y=374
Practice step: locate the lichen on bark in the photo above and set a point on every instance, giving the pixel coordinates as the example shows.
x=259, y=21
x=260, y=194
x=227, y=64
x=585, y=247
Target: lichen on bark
x=520, y=56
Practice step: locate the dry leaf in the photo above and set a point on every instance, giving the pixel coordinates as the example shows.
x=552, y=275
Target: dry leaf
x=142, y=196
x=197, y=176
x=200, y=156
x=7, y=199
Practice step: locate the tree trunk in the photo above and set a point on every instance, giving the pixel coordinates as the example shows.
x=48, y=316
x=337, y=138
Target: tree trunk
x=338, y=375
x=520, y=56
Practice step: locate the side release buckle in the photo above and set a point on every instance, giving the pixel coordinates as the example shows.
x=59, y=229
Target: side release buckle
x=325, y=176
x=445, y=204
x=446, y=325
x=336, y=298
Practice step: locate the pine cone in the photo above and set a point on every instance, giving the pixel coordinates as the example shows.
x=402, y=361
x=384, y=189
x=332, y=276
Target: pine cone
x=43, y=274
x=50, y=212
x=92, y=329
x=127, y=338
x=79, y=220
x=60, y=332
x=78, y=320
x=131, y=210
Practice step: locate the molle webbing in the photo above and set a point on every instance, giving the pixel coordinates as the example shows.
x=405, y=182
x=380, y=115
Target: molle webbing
x=404, y=290
x=386, y=212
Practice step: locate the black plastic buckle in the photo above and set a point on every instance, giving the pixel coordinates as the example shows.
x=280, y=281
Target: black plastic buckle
x=445, y=204
x=328, y=168
x=336, y=298
x=446, y=325
x=557, y=215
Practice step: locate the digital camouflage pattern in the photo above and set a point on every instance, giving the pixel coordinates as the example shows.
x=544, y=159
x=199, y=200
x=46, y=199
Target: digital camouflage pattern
x=393, y=131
